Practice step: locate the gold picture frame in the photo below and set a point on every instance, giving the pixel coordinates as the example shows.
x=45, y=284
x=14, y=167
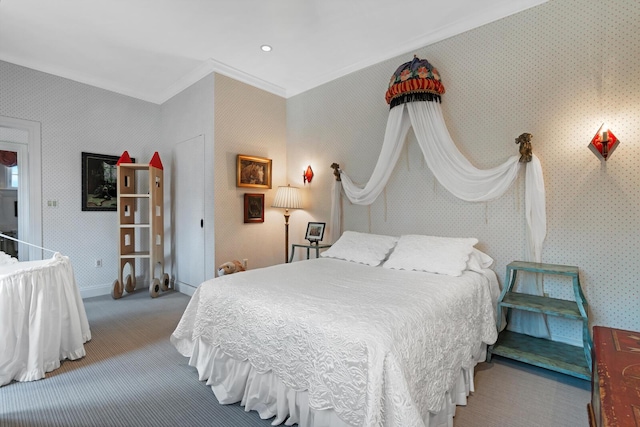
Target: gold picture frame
x=253, y=172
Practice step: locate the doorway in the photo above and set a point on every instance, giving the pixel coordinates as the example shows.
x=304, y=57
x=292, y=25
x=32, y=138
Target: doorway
x=188, y=193
x=11, y=154
x=23, y=138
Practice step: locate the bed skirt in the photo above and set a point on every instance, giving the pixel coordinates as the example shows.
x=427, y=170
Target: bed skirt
x=234, y=381
x=42, y=318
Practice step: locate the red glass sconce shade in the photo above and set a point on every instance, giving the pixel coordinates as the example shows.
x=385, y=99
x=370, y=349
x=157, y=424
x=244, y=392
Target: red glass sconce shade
x=307, y=175
x=603, y=144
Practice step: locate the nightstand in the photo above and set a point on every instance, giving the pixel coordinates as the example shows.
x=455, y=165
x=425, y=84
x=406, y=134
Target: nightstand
x=308, y=248
x=553, y=355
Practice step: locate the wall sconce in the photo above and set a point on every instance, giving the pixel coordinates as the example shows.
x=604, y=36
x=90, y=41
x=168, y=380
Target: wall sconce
x=604, y=142
x=307, y=175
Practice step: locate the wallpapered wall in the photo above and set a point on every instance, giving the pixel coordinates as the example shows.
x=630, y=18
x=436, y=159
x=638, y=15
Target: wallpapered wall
x=248, y=121
x=557, y=71
x=76, y=117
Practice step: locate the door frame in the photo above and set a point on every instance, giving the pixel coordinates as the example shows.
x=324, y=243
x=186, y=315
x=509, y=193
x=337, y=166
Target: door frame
x=30, y=207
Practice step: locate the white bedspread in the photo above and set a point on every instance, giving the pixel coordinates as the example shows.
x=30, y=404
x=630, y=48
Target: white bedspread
x=42, y=318
x=379, y=346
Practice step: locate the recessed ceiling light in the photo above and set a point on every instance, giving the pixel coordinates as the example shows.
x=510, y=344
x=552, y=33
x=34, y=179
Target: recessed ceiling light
x=266, y=48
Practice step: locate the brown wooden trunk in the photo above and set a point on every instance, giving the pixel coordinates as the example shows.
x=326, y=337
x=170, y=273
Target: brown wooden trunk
x=615, y=394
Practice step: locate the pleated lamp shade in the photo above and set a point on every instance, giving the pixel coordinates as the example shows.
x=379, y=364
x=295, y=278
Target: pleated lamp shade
x=288, y=198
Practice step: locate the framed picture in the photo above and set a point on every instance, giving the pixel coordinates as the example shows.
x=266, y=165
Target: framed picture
x=99, y=186
x=253, y=207
x=315, y=232
x=253, y=172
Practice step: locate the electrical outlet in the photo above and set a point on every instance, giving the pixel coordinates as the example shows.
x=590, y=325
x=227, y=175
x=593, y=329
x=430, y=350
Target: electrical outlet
x=98, y=263
x=245, y=263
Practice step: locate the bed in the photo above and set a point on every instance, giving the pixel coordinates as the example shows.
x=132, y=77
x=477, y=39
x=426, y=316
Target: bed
x=42, y=316
x=365, y=335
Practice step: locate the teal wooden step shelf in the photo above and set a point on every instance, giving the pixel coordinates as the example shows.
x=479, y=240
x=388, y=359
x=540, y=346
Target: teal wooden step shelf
x=553, y=355
x=540, y=304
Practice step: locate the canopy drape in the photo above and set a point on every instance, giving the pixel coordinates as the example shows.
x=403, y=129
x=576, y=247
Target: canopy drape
x=455, y=173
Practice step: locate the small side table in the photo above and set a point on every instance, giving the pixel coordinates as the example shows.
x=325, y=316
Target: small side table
x=308, y=248
x=545, y=353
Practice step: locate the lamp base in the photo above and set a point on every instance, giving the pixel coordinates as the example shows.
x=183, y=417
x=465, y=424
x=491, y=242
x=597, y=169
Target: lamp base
x=286, y=236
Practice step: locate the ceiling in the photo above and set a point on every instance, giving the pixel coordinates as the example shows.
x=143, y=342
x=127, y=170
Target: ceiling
x=153, y=49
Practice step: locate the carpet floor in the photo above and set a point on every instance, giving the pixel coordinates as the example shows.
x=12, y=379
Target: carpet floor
x=133, y=376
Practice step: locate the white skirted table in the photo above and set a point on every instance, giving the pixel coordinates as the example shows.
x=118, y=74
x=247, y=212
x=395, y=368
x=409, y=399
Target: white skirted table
x=42, y=318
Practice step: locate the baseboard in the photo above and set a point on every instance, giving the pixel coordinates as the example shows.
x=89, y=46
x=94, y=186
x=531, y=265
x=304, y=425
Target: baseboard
x=183, y=288
x=100, y=290
x=96, y=291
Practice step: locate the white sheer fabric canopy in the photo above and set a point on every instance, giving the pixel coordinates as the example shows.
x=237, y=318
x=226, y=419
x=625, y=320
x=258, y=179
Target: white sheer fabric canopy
x=455, y=173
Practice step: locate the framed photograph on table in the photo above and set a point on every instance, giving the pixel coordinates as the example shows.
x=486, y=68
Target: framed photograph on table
x=253, y=207
x=315, y=232
x=252, y=171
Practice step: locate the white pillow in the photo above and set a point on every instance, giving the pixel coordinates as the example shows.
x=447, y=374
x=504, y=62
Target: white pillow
x=443, y=255
x=365, y=248
x=479, y=260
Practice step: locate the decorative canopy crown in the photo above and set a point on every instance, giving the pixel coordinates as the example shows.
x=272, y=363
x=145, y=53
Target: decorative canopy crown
x=416, y=80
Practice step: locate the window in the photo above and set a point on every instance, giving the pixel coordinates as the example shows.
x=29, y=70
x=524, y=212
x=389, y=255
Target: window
x=13, y=171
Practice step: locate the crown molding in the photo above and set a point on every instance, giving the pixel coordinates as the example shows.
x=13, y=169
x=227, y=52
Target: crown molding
x=68, y=74
x=204, y=69
x=211, y=65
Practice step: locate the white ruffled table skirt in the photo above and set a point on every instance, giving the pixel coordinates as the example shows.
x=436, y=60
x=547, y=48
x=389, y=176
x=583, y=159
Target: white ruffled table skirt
x=42, y=318
x=235, y=381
